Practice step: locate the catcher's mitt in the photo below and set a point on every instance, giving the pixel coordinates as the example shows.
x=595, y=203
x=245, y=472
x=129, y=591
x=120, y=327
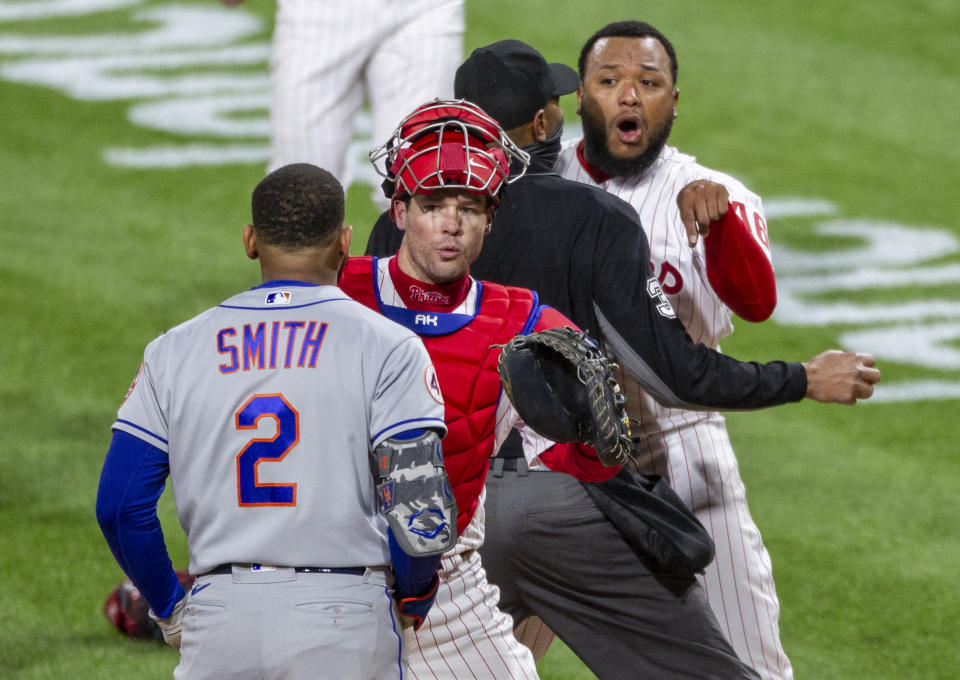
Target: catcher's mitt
x=563, y=388
x=128, y=611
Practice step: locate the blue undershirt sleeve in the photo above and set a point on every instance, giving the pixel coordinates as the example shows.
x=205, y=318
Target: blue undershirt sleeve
x=413, y=574
x=131, y=482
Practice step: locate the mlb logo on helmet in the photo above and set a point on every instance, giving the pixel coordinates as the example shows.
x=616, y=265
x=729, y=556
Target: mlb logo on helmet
x=278, y=298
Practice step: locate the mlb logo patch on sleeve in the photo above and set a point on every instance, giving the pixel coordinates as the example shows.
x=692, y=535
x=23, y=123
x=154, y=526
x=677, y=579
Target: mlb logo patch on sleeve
x=433, y=384
x=281, y=297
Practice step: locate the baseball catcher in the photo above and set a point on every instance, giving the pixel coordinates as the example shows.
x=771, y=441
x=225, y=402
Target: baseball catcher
x=563, y=388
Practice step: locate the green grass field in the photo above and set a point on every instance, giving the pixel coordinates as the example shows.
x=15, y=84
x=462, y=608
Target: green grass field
x=850, y=104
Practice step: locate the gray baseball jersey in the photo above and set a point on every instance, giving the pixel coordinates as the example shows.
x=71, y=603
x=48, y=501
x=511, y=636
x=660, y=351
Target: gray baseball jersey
x=268, y=406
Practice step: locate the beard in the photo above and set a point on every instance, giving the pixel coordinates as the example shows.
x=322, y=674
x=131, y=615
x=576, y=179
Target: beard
x=598, y=152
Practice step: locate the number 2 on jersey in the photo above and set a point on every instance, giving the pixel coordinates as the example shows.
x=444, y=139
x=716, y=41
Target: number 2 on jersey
x=250, y=491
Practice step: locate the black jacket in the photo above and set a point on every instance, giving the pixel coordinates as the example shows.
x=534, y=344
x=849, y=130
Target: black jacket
x=584, y=251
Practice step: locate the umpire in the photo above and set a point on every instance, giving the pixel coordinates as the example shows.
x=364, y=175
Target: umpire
x=584, y=251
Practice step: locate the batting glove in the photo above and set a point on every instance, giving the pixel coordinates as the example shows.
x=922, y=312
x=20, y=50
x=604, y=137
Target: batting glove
x=172, y=626
x=413, y=609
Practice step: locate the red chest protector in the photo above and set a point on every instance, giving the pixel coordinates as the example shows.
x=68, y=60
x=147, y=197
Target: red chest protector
x=466, y=367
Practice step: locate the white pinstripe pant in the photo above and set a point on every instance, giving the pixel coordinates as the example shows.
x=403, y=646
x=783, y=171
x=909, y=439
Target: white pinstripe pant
x=465, y=635
x=739, y=585
x=328, y=55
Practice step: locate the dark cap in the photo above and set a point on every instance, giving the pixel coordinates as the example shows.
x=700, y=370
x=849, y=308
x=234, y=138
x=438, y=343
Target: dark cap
x=511, y=81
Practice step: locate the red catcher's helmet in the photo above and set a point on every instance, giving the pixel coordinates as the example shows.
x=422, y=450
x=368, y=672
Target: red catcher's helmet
x=448, y=144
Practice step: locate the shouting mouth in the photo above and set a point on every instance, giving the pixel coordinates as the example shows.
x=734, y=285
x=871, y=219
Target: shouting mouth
x=630, y=130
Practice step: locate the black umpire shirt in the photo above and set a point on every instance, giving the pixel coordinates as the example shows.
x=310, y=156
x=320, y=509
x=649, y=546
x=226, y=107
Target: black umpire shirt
x=585, y=253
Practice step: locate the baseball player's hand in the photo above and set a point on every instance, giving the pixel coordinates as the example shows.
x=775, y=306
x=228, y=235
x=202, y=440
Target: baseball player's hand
x=172, y=626
x=836, y=377
x=414, y=608
x=701, y=202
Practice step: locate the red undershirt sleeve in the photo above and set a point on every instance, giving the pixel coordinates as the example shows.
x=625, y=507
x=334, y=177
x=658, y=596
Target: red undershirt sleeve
x=551, y=318
x=738, y=269
x=579, y=460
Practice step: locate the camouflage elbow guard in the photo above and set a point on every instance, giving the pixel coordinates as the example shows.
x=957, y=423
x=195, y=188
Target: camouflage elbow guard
x=414, y=494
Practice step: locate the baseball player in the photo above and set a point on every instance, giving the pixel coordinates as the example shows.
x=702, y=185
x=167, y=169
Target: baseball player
x=269, y=413
x=585, y=252
x=449, y=161
x=627, y=103
x=328, y=56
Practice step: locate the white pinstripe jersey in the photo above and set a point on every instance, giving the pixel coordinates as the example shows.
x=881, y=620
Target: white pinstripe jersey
x=692, y=448
x=268, y=406
x=680, y=269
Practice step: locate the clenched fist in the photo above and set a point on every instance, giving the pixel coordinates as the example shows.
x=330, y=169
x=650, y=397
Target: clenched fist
x=836, y=377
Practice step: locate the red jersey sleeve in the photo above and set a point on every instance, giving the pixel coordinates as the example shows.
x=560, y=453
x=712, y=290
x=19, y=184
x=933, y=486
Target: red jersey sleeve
x=551, y=318
x=579, y=460
x=738, y=269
